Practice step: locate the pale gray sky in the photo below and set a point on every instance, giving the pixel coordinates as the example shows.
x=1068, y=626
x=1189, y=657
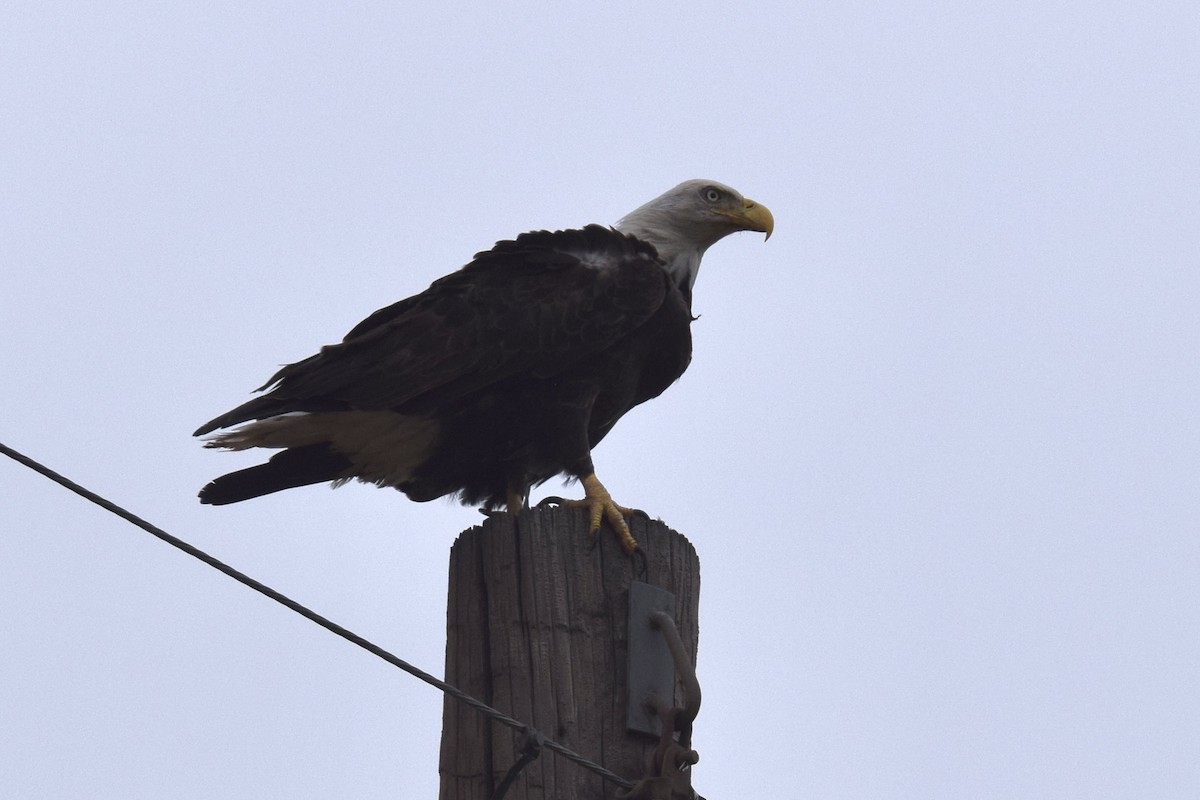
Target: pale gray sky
x=938, y=449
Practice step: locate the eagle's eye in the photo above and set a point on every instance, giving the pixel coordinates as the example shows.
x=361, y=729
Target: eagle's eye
x=712, y=195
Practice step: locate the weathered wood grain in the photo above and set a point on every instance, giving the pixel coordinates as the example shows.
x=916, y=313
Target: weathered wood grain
x=537, y=627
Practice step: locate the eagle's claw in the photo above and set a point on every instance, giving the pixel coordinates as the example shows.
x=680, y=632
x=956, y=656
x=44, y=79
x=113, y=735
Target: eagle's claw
x=601, y=506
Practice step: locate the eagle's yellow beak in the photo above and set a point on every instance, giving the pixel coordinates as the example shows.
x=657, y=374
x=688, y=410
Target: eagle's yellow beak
x=755, y=217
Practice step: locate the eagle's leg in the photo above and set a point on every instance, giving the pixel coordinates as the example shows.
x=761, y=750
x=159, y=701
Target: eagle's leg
x=601, y=506
x=516, y=498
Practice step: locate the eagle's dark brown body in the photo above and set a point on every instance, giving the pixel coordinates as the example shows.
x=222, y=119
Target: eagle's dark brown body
x=496, y=378
x=501, y=375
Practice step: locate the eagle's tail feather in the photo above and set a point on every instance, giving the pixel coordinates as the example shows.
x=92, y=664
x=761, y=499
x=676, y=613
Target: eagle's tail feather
x=297, y=466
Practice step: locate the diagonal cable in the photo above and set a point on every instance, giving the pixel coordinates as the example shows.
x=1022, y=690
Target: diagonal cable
x=306, y=612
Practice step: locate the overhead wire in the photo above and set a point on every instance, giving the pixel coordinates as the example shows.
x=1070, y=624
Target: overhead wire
x=304, y=611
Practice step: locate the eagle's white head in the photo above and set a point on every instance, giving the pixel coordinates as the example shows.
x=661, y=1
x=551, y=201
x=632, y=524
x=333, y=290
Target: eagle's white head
x=687, y=220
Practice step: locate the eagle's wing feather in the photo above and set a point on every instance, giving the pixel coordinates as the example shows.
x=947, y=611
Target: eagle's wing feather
x=536, y=304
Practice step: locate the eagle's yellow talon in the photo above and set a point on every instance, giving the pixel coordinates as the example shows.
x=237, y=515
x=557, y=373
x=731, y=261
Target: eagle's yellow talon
x=600, y=506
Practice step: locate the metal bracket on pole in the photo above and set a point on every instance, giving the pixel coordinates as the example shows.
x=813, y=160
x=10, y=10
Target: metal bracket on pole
x=651, y=666
x=652, y=632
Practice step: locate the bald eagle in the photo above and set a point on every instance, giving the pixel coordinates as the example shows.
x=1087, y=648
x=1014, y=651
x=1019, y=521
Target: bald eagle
x=498, y=376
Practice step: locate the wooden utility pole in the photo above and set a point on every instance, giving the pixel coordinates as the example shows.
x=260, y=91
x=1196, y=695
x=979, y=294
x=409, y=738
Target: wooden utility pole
x=537, y=627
